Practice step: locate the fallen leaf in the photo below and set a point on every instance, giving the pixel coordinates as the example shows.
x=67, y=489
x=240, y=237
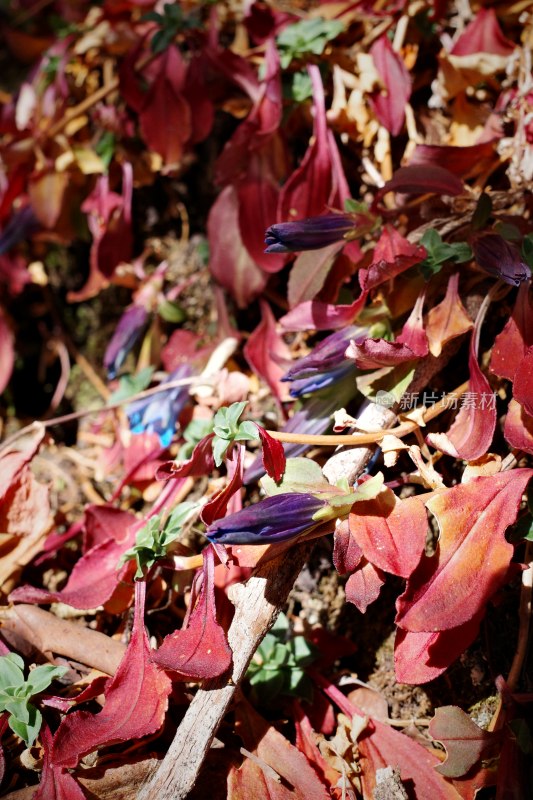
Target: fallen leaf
x=448, y=319
x=465, y=742
x=392, y=255
x=267, y=353
x=364, y=585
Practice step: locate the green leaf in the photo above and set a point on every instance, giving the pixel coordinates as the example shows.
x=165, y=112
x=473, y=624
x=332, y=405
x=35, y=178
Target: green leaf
x=153, y=541
x=28, y=730
x=352, y=206
x=307, y=36
x=301, y=87
x=301, y=475
x=193, y=433
x=11, y=670
x=41, y=677
x=508, y=231
x=105, y=147
x=482, y=212
x=220, y=447
x=527, y=249
x=247, y=431
x=130, y=385
x=439, y=252
x=171, y=312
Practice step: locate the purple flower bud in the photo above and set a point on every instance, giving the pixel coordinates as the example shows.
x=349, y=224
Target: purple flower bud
x=275, y=519
x=308, y=234
x=326, y=364
x=128, y=330
x=499, y=258
x=21, y=224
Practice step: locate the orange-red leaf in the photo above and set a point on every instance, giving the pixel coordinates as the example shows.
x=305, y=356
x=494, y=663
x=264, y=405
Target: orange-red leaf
x=448, y=319
x=472, y=557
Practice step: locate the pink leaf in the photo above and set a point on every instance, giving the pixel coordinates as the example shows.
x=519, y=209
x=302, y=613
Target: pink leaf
x=483, y=35
x=308, y=190
x=523, y=382
x=511, y=345
x=266, y=352
x=347, y=554
x=274, y=460
x=421, y=656
x=393, y=254
x=462, y=161
x=465, y=742
x=376, y=353
x=364, y=585
x=390, y=107
x=472, y=558
x=471, y=433
x=518, y=429
x=309, y=272
x=7, y=352
x=200, y=650
x=230, y=263
x=318, y=316
x=165, y=118
x=56, y=784
x=390, y=532
x=135, y=706
x=422, y=180
x=448, y=319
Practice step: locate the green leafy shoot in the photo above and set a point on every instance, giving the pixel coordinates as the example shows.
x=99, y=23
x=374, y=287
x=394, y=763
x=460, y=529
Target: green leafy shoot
x=156, y=537
x=301, y=87
x=105, y=147
x=439, y=252
x=527, y=249
x=195, y=431
x=15, y=693
x=307, y=36
x=170, y=23
x=171, y=311
x=228, y=429
x=278, y=667
x=130, y=385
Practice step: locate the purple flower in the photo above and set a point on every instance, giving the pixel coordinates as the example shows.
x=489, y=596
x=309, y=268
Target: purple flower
x=128, y=330
x=275, y=519
x=21, y=224
x=159, y=412
x=308, y=234
x=326, y=363
x=499, y=258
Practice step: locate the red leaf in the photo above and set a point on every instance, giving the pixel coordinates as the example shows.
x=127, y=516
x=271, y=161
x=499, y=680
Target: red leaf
x=321, y=316
x=14, y=460
x=523, y=382
x=230, y=263
x=7, y=352
x=393, y=254
x=415, y=179
x=306, y=744
x=471, y=433
x=465, y=742
x=518, y=428
x=56, y=784
x=266, y=352
x=347, y=554
x=298, y=781
x=483, y=35
x=472, y=558
x=364, y=585
x=381, y=746
x=308, y=190
x=258, y=195
x=200, y=650
x=390, y=532
x=165, y=117
x=274, y=460
x=420, y=656
x=135, y=706
x=94, y=577
x=462, y=161
x=200, y=463
x=511, y=345
x=217, y=506
x=390, y=107
x=448, y=319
